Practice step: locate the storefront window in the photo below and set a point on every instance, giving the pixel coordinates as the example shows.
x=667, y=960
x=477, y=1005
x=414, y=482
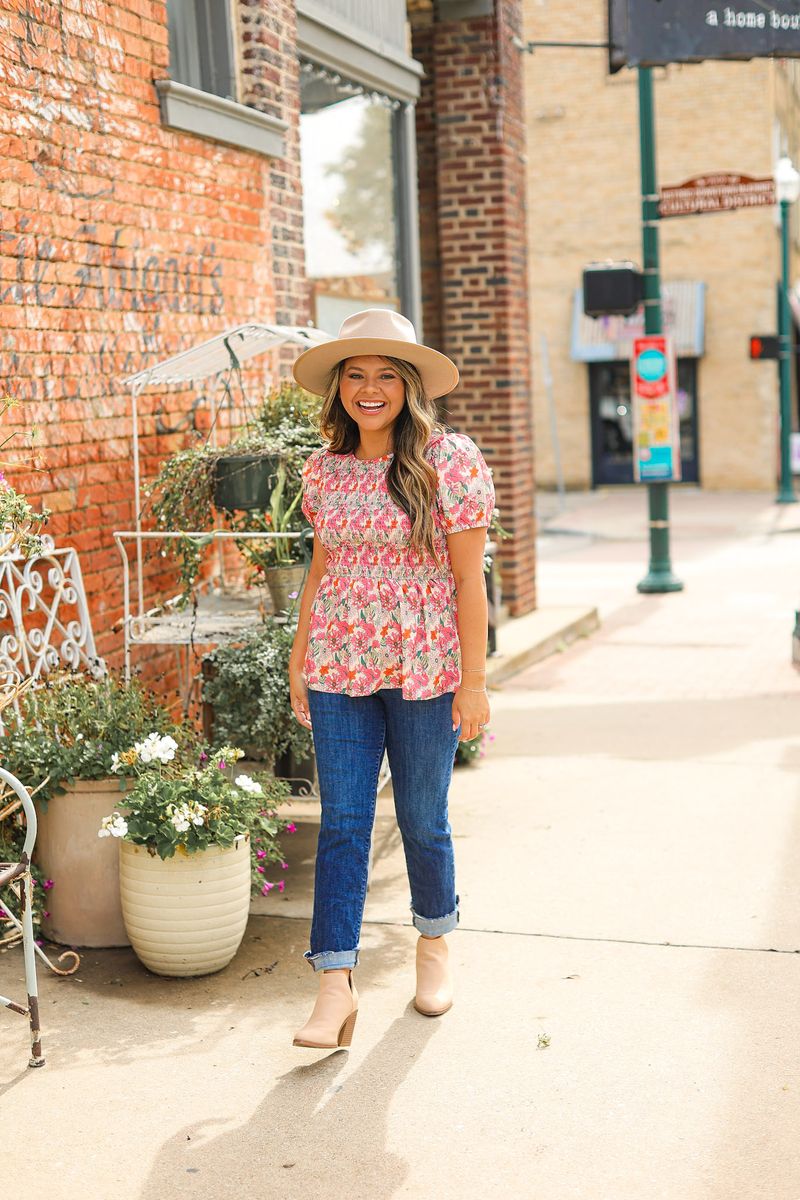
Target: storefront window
x=348, y=157
x=612, y=421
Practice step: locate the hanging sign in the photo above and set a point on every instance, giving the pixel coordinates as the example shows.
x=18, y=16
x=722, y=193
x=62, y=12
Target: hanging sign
x=656, y=432
x=716, y=193
x=649, y=33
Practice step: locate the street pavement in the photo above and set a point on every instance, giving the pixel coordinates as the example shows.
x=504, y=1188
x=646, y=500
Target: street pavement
x=626, y=1024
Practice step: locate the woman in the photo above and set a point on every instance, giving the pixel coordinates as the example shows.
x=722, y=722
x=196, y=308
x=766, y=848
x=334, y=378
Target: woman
x=390, y=651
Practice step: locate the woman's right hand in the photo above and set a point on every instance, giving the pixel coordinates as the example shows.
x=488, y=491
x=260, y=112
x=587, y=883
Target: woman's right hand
x=299, y=696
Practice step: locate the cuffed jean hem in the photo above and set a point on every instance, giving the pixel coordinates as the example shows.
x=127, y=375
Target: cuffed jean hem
x=332, y=960
x=435, y=926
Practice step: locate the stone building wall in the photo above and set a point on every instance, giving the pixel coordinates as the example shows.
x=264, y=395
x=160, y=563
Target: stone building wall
x=583, y=189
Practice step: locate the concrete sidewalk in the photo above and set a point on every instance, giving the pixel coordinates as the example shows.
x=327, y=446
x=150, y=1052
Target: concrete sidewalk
x=626, y=1025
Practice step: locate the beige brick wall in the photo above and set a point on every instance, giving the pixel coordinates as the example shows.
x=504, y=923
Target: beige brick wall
x=583, y=205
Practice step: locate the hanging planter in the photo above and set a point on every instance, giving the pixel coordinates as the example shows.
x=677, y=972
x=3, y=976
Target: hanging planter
x=244, y=481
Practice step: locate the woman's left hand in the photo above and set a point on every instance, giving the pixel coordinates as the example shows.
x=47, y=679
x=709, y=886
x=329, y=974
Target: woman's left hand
x=471, y=712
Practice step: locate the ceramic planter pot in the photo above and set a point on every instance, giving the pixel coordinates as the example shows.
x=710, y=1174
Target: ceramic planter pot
x=185, y=915
x=244, y=481
x=84, y=902
x=285, y=585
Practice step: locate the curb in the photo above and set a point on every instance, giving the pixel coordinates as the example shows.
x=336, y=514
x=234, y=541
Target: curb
x=527, y=640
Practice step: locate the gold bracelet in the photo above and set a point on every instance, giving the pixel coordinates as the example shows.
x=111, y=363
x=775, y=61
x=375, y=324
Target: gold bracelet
x=477, y=691
x=473, y=670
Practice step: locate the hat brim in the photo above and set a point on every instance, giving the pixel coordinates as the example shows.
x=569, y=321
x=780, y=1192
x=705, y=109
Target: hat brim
x=313, y=367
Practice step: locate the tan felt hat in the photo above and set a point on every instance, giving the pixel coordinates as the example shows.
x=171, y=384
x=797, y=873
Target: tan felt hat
x=376, y=331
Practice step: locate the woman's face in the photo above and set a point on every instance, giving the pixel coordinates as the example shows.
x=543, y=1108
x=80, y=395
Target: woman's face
x=372, y=392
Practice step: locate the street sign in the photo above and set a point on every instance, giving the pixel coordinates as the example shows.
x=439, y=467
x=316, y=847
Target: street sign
x=765, y=345
x=650, y=33
x=721, y=192
x=656, y=434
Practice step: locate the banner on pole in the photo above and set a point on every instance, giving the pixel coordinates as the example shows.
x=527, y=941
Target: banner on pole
x=656, y=430
x=651, y=33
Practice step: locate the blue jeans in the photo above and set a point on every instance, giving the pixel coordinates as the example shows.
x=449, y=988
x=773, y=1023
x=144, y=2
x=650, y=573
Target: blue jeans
x=350, y=735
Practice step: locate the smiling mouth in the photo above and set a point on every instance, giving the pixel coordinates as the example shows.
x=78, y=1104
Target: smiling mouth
x=371, y=405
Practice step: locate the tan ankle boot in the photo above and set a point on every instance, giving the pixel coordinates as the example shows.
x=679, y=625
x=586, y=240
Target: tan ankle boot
x=434, y=985
x=333, y=1020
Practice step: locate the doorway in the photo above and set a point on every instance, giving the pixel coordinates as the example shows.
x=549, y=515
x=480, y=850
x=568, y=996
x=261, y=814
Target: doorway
x=612, y=421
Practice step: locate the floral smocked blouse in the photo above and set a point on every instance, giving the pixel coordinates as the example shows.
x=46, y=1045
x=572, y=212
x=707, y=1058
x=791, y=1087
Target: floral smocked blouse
x=384, y=615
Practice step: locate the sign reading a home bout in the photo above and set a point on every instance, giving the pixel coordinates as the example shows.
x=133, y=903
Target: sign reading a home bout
x=656, y=431
x=647, y=33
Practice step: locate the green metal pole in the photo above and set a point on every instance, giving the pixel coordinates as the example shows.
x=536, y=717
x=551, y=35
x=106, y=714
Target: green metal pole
x=659, y=577
x=786, y=490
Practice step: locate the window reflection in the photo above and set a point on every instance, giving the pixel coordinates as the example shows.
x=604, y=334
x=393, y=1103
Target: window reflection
x=349, y=198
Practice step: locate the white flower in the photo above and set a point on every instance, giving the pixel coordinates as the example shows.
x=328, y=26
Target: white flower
x=155, y=748
x=183, y=816
x=115, y=762
x=113, y=826
x=248, y=785
x=180, y=819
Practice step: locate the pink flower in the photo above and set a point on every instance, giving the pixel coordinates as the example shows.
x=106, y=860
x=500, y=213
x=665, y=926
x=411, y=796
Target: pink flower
x=260, y=870
x=221, y=764
x=261, y=854
x=281, y=885
x=291, y=827
x=48, y=883
x=284, y=866
x=45, y=915
x=267, y=888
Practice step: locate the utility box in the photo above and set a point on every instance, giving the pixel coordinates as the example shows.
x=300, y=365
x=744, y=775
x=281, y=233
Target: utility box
x=612, y=289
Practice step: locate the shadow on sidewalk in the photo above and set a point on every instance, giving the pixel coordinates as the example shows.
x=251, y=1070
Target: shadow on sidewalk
x=316, y=1132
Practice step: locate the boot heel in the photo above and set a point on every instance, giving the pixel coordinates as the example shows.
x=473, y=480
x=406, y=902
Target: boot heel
x=346, y=1032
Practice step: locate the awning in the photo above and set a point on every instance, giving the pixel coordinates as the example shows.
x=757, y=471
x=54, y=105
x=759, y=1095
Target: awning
x=228, y=349
x=606, y=339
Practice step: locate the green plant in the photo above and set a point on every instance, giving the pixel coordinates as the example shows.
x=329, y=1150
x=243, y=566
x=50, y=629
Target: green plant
x=182, y=494
x=20, y=523
x=247, y=684
x=71, y=727
x=189, y=798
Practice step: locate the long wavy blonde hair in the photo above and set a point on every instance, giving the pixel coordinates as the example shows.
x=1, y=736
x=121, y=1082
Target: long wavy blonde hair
x=411, y=479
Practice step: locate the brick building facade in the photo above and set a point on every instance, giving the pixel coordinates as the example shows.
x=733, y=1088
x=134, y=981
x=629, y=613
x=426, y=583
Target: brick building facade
x=135, y=222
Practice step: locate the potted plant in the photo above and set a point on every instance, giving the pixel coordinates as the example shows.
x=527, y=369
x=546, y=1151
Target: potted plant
x=252, y=485
x=195, y=837
x=246, y=691
x=62, y=744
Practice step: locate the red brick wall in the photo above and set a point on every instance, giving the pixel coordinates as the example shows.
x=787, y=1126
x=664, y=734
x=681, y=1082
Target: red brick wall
x=471, y=138
x=121, y=242
x=271, y=83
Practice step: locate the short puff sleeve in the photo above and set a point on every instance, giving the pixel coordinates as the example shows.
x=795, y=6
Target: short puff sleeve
x=466, y=491
x=312, y=485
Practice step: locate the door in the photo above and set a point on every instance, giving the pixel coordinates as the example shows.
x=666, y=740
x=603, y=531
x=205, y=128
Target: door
x=612, y=421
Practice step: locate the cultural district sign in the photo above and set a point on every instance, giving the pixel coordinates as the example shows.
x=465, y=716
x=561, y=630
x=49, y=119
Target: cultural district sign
x=649, y=33
x=721, y=192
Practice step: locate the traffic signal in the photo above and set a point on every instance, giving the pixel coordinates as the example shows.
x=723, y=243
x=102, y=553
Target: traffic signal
x=765, y=345
x=611, y=289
